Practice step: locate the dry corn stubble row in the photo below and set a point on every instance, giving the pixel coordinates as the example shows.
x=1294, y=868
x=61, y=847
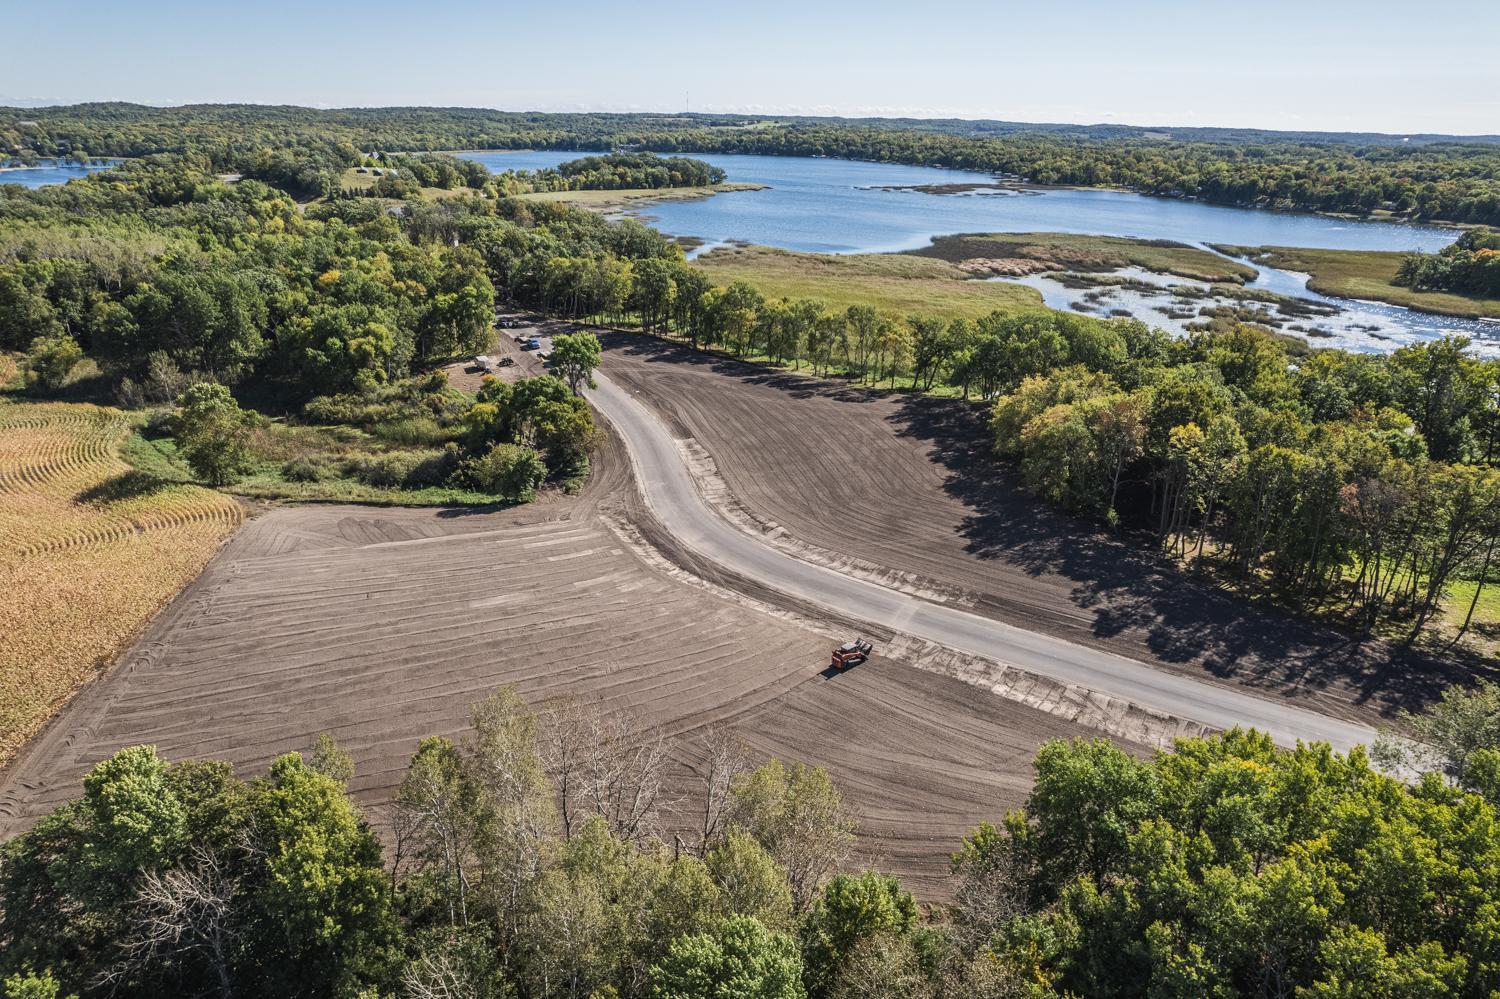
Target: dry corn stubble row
x=88, y=552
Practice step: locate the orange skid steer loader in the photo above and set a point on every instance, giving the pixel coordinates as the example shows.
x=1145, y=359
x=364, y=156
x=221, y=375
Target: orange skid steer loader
x=851, y=654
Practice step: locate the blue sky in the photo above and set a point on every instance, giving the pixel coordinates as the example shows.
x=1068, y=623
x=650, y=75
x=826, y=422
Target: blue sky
x=1430, y=66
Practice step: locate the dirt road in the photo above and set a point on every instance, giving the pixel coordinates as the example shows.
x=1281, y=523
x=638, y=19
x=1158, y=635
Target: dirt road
x=676, y=501
x=906, y=486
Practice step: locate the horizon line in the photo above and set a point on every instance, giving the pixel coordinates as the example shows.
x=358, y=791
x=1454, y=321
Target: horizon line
x=907, y=115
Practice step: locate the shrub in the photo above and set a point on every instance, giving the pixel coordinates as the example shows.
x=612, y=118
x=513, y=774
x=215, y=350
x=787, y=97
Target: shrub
x=351, y=409
x=510, y=471
x=386, y=471
x=161, y=422
x=435, y=468
x=404, y=469
x=51, y=359
x=306, y=469
x=410, y=430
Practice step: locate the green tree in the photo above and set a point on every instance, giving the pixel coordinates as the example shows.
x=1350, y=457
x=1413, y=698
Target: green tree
x=750, y=881
x=853, y=909
x=1456, y=736
x=653, y=292
x=736, y=310
x=741, y=959
x=799, y=816
x=574, y=357
x=323, y=917
x=213, y=433
x=31, y=986
x=51, y=359
x=932, y=349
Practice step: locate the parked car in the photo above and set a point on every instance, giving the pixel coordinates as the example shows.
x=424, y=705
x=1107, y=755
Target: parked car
x=532, y=343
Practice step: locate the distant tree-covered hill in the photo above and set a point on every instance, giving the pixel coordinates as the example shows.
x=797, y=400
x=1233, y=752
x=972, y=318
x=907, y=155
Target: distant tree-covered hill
x=1447, y=178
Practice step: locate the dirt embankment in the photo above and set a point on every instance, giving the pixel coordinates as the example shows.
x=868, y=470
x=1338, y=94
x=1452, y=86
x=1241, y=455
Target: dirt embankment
x=908, y=484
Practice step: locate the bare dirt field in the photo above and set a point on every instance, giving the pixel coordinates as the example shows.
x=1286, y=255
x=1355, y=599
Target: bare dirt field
x=905, y=486
x=382, y=626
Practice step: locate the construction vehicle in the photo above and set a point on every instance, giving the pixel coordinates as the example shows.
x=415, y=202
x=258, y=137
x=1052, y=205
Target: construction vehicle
x=851, y=654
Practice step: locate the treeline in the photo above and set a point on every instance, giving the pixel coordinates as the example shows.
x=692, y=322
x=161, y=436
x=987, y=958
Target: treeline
x=564, y=853
x=450, y=173
x=1362, y=486
x=403, y=176
x=1357, y=486
x=620, y=171
x=1447, y=180
x=1470, y=266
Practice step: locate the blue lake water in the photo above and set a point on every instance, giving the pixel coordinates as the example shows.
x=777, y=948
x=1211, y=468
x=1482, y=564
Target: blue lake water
x=838, y=206
x=843, y=206
x=50, y=173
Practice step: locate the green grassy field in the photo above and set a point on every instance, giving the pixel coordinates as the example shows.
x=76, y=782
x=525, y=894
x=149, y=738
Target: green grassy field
x=898, y=283
x=1066, y=251
x=1364, y=274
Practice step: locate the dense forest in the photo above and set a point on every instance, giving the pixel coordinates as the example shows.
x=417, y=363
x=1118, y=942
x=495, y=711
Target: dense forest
x=1470, y=266
x=1443, y=179
x=530, y=859
x=623, y=171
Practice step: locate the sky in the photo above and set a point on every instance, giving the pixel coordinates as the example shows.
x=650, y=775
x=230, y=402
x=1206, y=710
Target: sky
x=1337, y=65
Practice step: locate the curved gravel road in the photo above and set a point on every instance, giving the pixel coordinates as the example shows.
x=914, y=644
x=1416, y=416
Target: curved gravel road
x=674, y=499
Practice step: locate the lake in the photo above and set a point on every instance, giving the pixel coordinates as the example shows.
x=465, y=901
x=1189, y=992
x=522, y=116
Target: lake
x=49, y=173
x=839, y=206
x=844, y=206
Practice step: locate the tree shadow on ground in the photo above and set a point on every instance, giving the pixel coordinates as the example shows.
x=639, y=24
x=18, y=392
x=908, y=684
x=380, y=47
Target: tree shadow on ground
x=1132, y=592
x=133, y=484
x=1134, y=596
